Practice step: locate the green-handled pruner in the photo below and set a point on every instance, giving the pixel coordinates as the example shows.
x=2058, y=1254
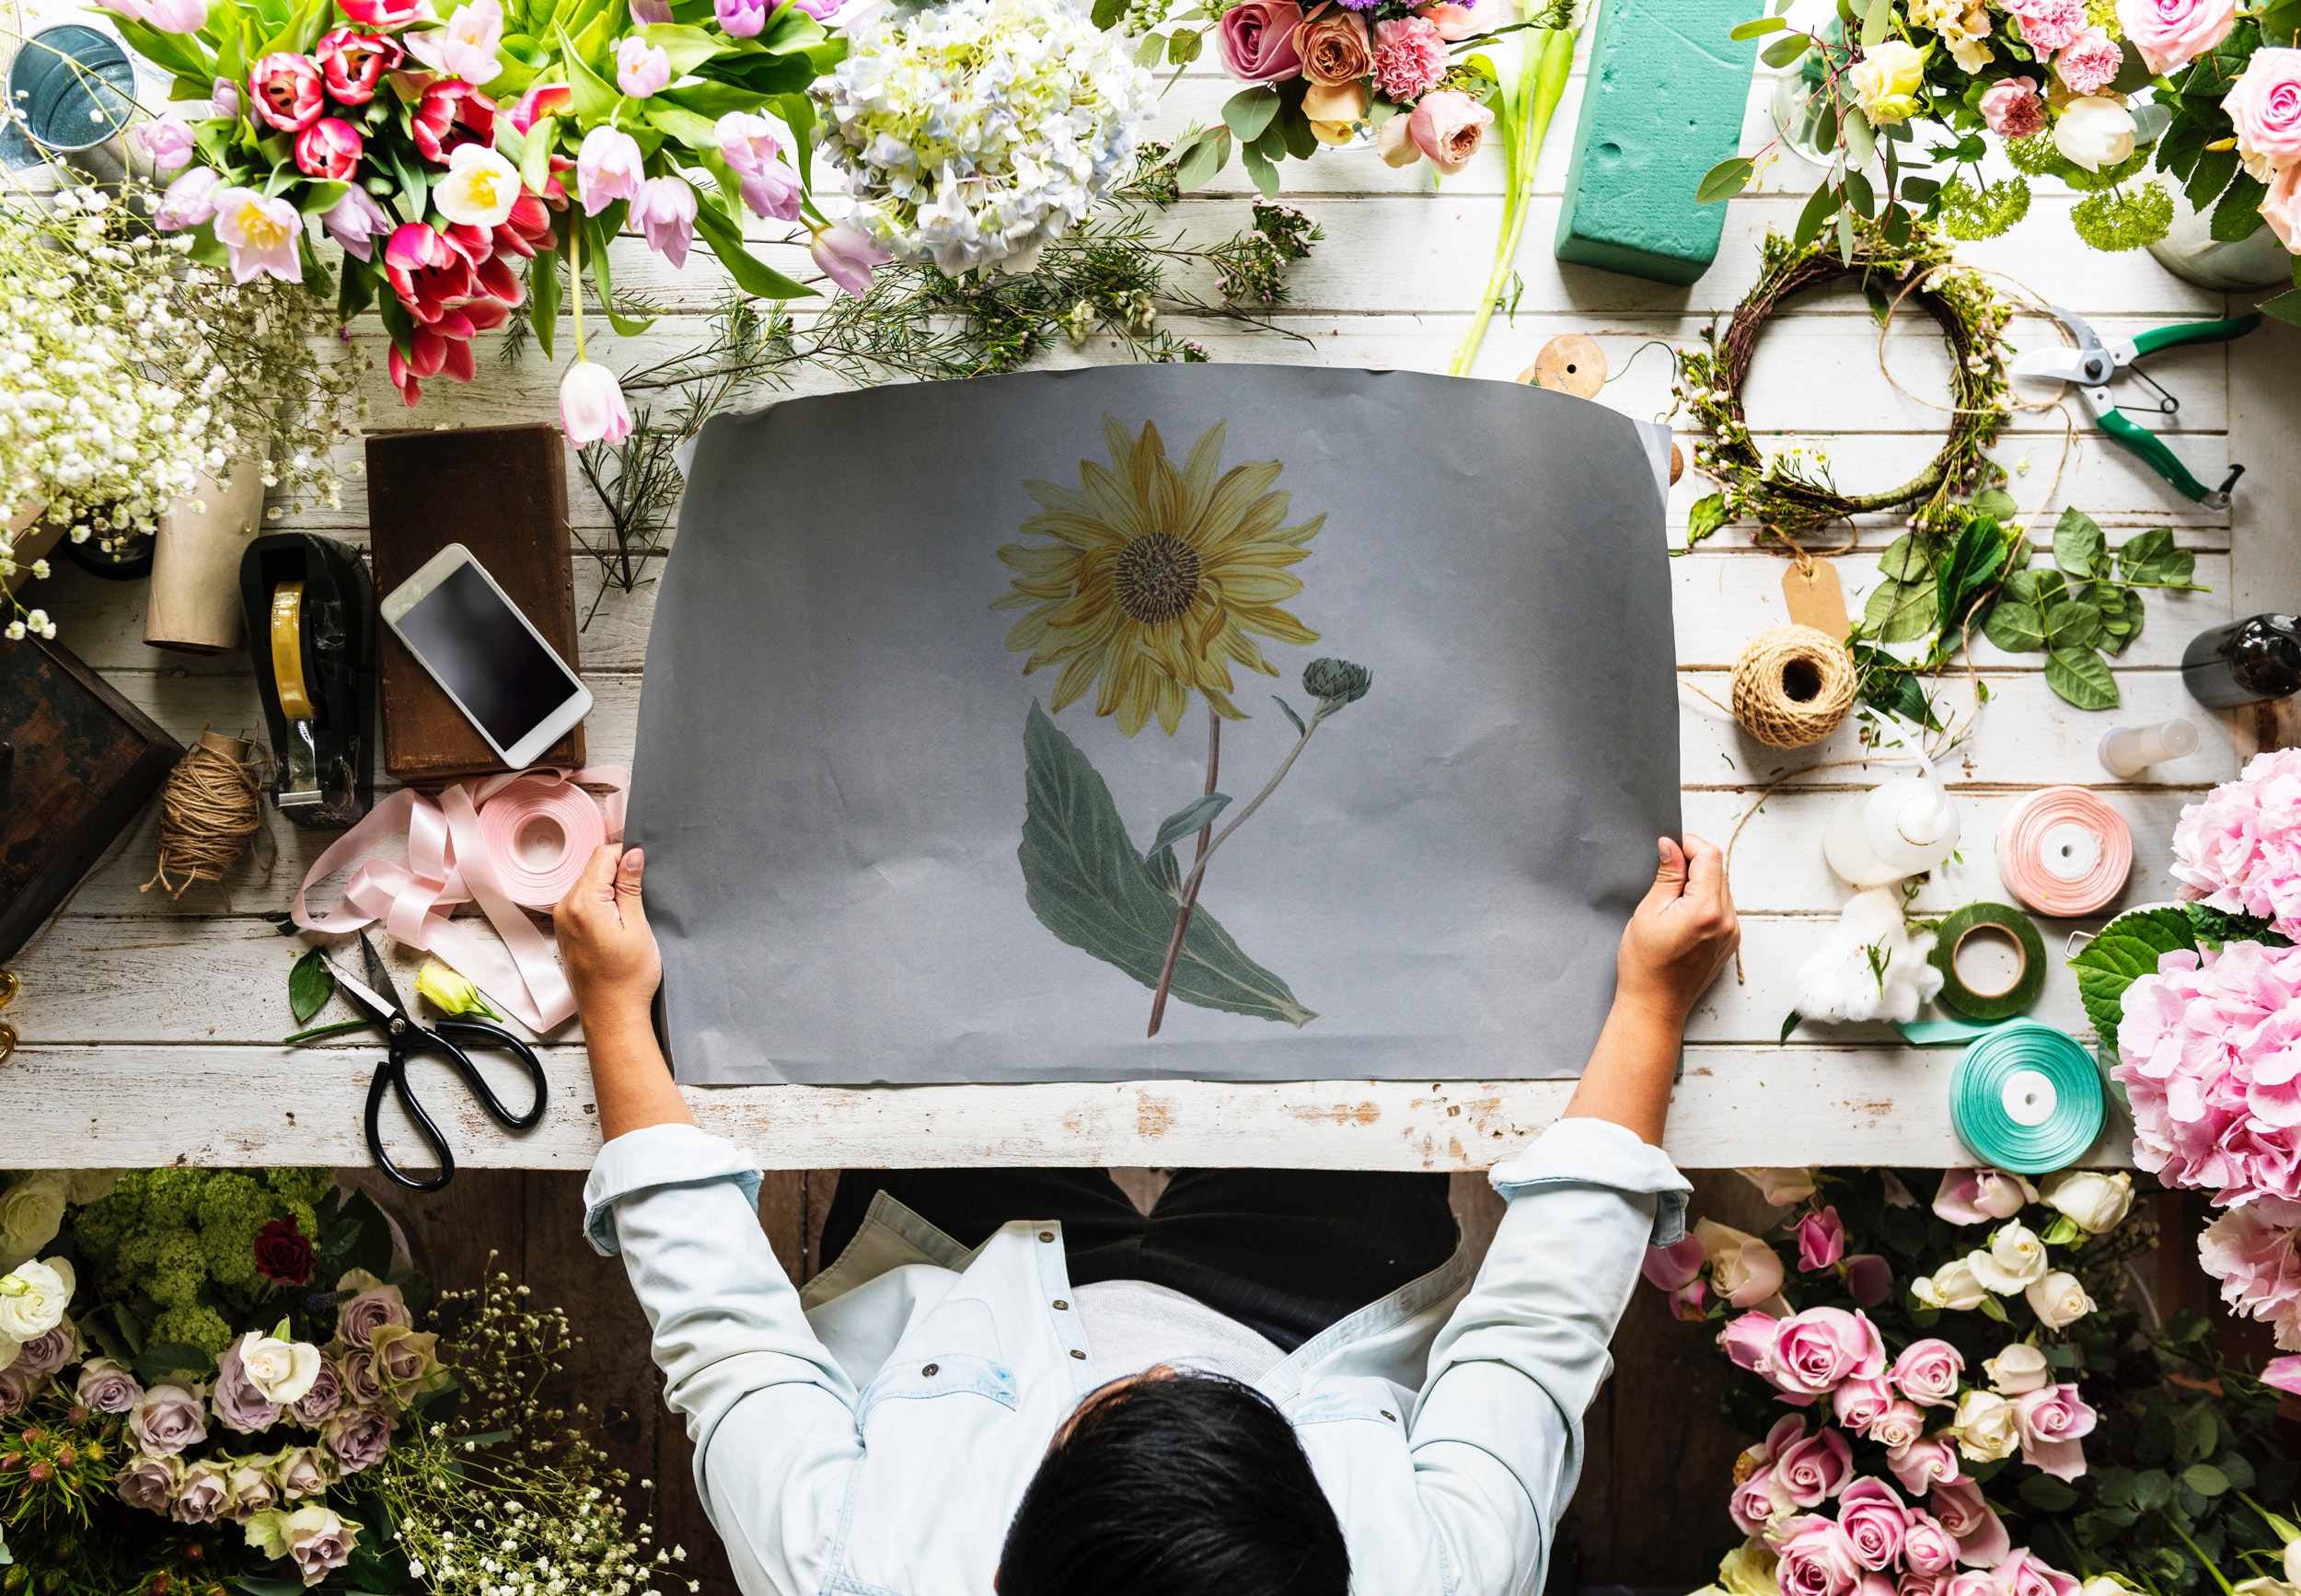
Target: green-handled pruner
x=2093, y=366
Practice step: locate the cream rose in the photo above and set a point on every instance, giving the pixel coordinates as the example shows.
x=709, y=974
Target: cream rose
x=31, y=1212
x=2094, y=131
x=1886, y=80
x=2019, y=1368
x=90, y=1185
x=2293, y=1562
x=33, y=1297
x=1336, y=105
x=2015, y=1258
x=283, y=1370
x=1952, y=1286
x=1747, y=1570
x=1987, y=1427
x=1781, y=1187
x=1743, y=1269
x=2059, y=1300
x=2095, y=1202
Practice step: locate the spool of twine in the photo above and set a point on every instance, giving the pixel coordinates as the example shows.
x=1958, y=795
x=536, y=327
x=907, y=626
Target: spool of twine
x=208, y=812
x=1793, y=686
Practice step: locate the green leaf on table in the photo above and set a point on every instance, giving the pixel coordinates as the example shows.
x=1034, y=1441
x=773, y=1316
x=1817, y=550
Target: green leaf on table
x=2121, y=614
x=1900, y=611
x=1782, y=52
x=2082, y=676
x=1705, y=517
x=1973, y=563
x=310, y=984
x=1260, y=170
x=2285, y=307
x=2150, y=557
x=1995, y=503
x=1904, y=559
x=1086, y=882
x=2072, y=623
x=2220, y=926
x=1726, y=179
x=1790, y=1022
x=2128, y=948
x=1207, y=156
x=2014, y=626
x=1250, y=110
x=1757, y=26
x=1190, y=817
x=2078, y=545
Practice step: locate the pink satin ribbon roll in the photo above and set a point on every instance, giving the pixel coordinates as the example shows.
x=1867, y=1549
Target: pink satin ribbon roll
x=2064, y=851
x=491, y=843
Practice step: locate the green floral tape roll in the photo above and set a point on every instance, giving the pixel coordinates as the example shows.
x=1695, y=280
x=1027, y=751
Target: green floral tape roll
x=2027, y=1098
x=1988, y=920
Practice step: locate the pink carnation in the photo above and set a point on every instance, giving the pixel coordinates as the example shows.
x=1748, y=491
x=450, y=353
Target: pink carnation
x=2239, y=850
x=1409, y=57
x=2090, y=62
x=2252, y=1252
x=2013, y=108
x=2049, y=25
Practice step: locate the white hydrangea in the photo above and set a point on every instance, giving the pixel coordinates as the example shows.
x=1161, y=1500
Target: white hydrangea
x=975, y=132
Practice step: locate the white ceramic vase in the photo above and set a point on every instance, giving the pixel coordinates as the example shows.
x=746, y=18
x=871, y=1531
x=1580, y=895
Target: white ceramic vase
x=2190, y=253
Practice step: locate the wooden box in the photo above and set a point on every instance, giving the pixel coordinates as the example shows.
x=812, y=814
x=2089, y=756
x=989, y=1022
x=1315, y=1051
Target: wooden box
x=500, y=493
x=77, y=765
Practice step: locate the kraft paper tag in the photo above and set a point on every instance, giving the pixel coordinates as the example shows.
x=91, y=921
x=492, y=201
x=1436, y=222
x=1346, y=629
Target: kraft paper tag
x=1815, y=598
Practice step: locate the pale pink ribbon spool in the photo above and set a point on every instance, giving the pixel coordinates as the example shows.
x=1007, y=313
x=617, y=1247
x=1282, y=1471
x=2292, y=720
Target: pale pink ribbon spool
x=486, y=843
x=2064, y=851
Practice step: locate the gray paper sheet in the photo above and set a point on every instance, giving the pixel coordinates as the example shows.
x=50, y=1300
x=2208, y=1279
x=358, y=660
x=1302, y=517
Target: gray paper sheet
x=879, y=849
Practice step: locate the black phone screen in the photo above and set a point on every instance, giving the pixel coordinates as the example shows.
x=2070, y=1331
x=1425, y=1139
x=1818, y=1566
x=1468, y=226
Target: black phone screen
x=478, y=645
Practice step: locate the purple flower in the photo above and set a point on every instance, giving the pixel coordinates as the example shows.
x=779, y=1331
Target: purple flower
x=51, y=1350
x=325, y=1396
x=239, y=1403
x=107, y=1386
x=356, y=1372
x=190, y=200
x=168, y=141
x=741, y=18
x=355, y=222
x=358, y=1438
x=19, y=1385
x=167, y=1419
x=748, y=145
x=374, y=1304
x=149, y=1482
x=845, y=254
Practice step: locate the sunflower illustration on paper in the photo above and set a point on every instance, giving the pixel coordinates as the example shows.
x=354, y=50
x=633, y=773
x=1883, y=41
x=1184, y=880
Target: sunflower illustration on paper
x=1150, y=585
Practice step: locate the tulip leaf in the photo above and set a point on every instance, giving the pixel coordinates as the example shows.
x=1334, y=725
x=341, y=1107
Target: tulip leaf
x=753, y=275
x=688, y=48
x=594, y=95
x=310, y=984
x=543, y=310
x=697, y=132
x=535, y=166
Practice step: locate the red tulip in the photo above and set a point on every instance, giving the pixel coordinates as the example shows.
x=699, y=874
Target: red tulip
x=456, y=286
x=451, y=112
x=381, y=13
x=328, y=149
x=287, y=91
x=352, y=62
x=543, y=99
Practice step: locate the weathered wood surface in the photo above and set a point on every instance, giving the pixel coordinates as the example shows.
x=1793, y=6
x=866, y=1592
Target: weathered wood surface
x=150, y=1025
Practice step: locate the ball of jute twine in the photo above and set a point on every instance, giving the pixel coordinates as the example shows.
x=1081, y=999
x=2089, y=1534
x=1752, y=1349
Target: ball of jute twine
x=1793, y=686
x=209, y=810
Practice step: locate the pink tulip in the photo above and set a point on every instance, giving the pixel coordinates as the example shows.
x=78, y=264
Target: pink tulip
x=287, y=91
x=355, y=222
x=223, y=98
x=166, y=16
x=543, y=99
x=1821, y=1239
x=259, y=235
x=845, y=254
x=167, y=142
x=642, y=68
x=664, y=211
x=741, y=18
x=190, y=200
x=328, y=150
x=391, y=15
x=351, y=64
x=466, y=47
x=748, y=145
x=608, y=168
x=591, y=405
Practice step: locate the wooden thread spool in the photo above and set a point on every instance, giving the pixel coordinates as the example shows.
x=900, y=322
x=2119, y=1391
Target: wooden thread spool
x=1569, y=362
x=1793, y=686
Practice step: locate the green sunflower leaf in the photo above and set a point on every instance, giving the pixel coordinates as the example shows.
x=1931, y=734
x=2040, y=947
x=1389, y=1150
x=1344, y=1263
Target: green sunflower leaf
x=1198, y=812
x=1087, y=883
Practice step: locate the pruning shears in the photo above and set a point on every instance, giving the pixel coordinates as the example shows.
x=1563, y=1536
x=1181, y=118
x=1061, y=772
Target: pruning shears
x=2094, y=364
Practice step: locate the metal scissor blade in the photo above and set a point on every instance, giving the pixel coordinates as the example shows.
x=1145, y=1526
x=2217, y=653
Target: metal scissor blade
x=2090, y=364
x=380, y=1009
x=2057, y=365
x=379, y=974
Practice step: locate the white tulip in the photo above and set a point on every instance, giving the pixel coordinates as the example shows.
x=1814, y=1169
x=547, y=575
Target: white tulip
x=2094, y=131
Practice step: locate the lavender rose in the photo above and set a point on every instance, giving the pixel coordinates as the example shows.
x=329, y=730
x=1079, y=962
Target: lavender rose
x=324, y=1397
x=149, y=1482
x=107, y=1386
x=49, y=1351
x=167, y=1419
x=372, y=1306
x=318, y=1542
x=205, y=1494
x=253, y=1489
x=356, y=1371
x=240, y=1404
x=406, y=1364
x=358, y=1438
x=19, y=1385
x=299, y=1472
x=1256, y=40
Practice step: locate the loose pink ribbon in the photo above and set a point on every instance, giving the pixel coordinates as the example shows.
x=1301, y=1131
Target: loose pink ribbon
x=447, y=862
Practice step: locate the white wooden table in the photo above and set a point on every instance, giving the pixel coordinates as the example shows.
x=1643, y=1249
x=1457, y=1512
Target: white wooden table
x=149, y=1028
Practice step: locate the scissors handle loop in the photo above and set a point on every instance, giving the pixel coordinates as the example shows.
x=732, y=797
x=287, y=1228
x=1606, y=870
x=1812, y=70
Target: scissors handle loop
x=449, y=1040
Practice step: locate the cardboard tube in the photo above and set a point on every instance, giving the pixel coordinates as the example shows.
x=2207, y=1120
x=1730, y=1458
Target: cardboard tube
x=30, y=537
x=194, y=602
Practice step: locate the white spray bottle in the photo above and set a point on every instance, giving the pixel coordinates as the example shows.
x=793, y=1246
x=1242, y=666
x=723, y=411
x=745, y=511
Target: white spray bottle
x=1898, y=828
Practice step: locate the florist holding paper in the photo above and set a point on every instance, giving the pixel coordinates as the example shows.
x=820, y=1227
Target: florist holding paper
x=1276, y=1384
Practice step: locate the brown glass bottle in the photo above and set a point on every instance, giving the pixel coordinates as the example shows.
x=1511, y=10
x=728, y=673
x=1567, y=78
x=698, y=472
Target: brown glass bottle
x=2244, y=662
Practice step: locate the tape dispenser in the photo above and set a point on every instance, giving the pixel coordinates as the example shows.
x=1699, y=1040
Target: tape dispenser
x=310, y=609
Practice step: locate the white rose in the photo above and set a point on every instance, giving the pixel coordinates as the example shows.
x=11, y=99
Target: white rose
x=2096, y=1202
x=283, y=1370
x=89, y=1186
x=2059, y=1300
x=2293, y=1562
x=31, y=1212
x=2015, y=1258
x=2094, y=131
x=1987, y=1427
x=33, y=1297
x=1953, y=1286
x=1781, y=1187
x=2018, y=1367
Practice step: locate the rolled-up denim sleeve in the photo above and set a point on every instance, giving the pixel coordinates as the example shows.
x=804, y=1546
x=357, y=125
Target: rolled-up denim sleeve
x=1498, y=1430
x=771, y=1414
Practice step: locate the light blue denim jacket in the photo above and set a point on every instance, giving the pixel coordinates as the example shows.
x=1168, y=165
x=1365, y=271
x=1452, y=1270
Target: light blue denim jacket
x=874, y=1434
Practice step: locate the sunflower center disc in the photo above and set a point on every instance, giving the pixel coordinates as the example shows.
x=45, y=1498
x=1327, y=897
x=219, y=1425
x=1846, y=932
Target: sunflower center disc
x=1157, y=578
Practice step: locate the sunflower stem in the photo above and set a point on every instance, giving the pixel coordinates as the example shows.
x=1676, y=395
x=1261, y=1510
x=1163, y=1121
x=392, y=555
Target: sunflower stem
x=1190, y=898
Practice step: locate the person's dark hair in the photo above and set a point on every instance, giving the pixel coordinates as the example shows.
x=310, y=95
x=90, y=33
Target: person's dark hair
x=1184, y=1486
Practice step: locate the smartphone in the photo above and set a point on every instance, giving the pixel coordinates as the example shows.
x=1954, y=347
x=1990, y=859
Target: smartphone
x=510, y=684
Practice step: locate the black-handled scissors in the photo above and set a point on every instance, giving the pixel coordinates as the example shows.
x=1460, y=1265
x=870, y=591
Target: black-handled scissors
x=381, y=1000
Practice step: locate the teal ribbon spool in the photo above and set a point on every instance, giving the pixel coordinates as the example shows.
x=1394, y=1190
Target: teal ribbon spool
x=2027, y=1098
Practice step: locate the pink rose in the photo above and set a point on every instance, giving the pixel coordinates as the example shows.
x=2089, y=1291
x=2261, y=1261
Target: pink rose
x=1859, y=1404
x=1868, y=1278
x=2052, y=1420
x=1756, y=1500
x=1447, y=126
x=2283, y=1374
x=1902, y=1424
x=2024, y=1573
x=1256, y=40
x=328, y=149
x=2281, y=207
x=2090, y=62
x=287, y=91
x=1409, y=57
x=167, y=1419
x=1969, y=1582
x=2048, y=25
x=1975, y=1197
x=1749, y=1340
x=1454, y=22
x=1821, y=1239
x=1927, y=1547
x=2013, y=108
x=1817, y=1559
x=1812, y=1470
x=1872, y=1517
x=1927, y=1371
x=2172, y=33
x=1816, y=1352
x=2265, y=103
x=1669, y=1268
x=1912, y=1583
x=1972, y=1522
x=351, y=64
x=1921, y=1465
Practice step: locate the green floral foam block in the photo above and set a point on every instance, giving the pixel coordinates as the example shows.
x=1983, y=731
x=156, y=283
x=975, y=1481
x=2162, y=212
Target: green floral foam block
x=1662, y=105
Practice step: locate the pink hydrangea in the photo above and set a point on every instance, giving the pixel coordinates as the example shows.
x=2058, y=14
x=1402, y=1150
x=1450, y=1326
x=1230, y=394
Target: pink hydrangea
x=2049, y=25
x=1409, y=57
x=2251, y=1251
x=2210, y=1060
x=2240, y=849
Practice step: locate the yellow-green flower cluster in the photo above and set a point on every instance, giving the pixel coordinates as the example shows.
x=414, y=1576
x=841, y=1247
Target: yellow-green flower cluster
x=167, y=1234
